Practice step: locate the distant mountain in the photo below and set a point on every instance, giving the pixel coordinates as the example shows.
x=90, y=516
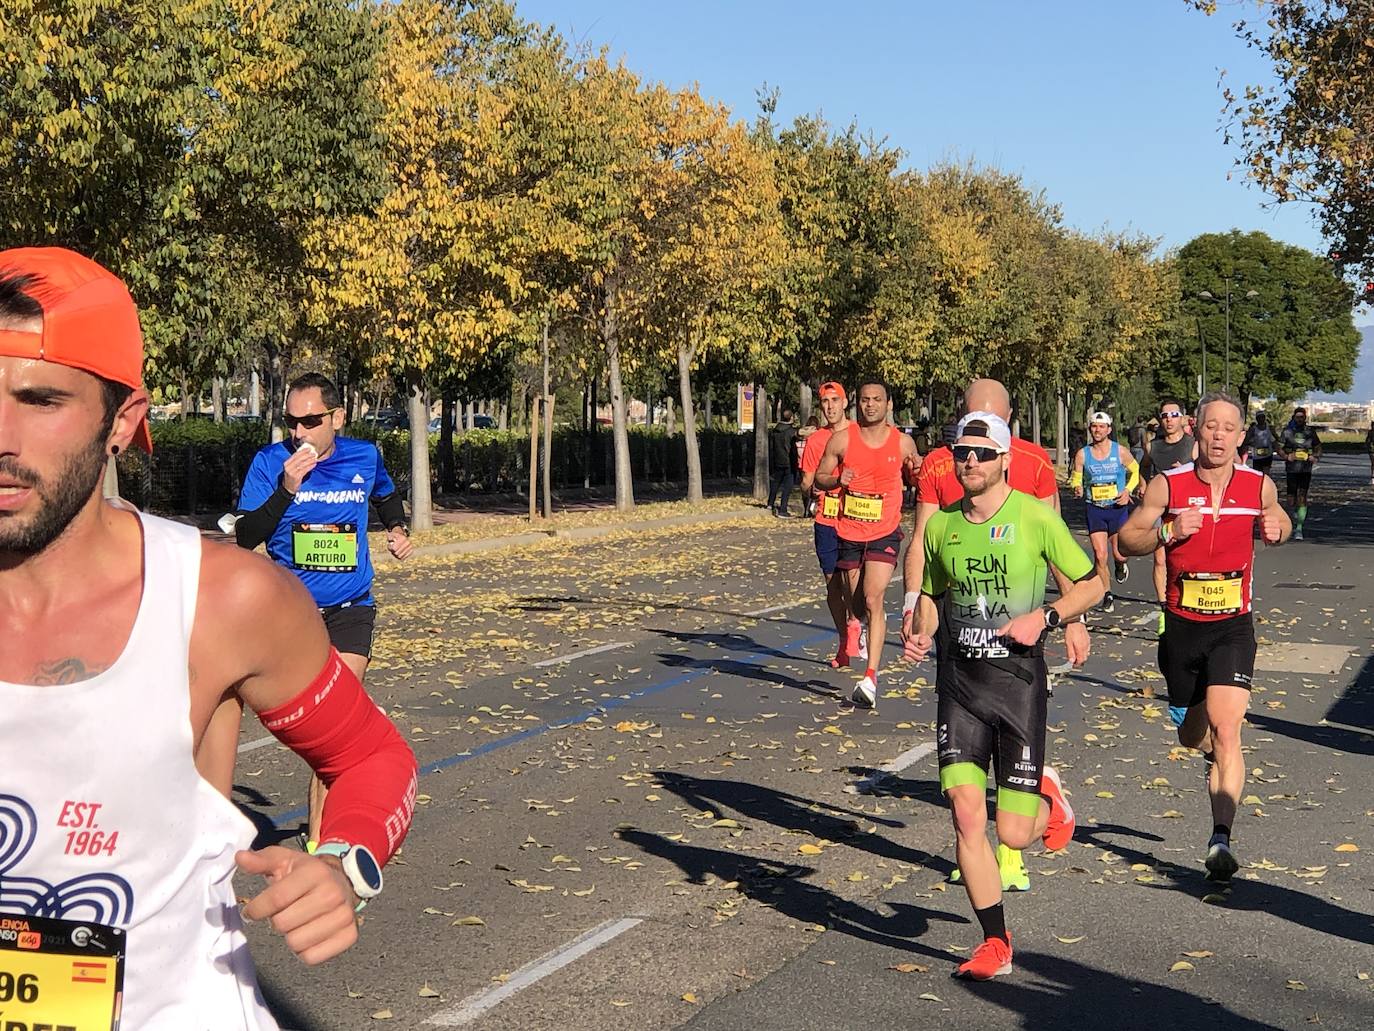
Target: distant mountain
x=1362, y=390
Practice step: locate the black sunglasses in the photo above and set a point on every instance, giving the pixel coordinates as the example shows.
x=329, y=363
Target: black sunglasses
x=962, y=452
x=310, y=422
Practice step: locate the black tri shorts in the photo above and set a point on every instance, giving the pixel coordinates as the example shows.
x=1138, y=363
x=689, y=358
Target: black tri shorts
x=992, y=710
x=1299, y=478
x=1195, y=653
x=350, y=627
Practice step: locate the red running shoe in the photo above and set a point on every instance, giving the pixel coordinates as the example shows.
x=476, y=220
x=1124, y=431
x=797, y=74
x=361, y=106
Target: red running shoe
x=990, y=959
x=1059, y=829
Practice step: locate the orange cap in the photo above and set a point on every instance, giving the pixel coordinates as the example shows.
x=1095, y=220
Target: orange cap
x=832, y=388
x=89, y=319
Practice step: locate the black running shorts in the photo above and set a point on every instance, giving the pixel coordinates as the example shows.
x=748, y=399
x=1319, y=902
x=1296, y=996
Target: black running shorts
x=1299, y=479
x=986, y=712
x=350, y=628
x=1194, y=654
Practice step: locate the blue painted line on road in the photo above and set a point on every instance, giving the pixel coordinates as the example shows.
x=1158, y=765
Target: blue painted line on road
x=614, y=703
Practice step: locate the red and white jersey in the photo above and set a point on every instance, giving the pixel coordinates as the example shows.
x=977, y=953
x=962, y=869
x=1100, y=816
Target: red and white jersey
x=1209, y=573
x=116, y=857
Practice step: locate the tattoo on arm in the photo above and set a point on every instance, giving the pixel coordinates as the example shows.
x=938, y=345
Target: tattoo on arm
x=65, y=671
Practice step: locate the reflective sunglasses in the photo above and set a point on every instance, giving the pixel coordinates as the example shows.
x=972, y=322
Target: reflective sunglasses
x=1171, y=415
x=310, y=422
x=962, y=453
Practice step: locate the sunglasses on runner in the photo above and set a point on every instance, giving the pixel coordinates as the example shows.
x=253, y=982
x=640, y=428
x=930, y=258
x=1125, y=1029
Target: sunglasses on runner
x=962, y=453
x=1171, y=415
x=310, y=422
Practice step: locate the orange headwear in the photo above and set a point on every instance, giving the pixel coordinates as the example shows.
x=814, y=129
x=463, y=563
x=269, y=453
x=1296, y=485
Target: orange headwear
x=833, y=389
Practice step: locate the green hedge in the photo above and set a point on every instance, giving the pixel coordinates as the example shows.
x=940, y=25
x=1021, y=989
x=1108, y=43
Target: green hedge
x=198, y=465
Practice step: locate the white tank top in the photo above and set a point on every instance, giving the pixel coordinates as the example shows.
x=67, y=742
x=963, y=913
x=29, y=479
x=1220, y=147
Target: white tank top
x=121, y=741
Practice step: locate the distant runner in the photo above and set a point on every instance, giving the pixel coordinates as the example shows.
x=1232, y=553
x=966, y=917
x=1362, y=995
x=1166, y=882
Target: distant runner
x=307, y=498
x=826, y=504
x=1259, y=444
x=1171, y=449
x=869, y=459
x=1301, y=449
x=1204, y=516
x=1104, y=475
x=983, y=593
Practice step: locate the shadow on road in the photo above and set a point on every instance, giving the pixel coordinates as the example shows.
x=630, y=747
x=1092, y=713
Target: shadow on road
x=553, y=602
x=1336, y=738
x=750, y=671
x=250, y=802
x=1059, y=993
x=780, y=887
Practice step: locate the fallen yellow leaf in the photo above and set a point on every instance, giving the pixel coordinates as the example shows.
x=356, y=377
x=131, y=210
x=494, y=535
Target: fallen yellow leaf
x=1348, y=847
x=469, y=921
x=1072, y=941
x=427, y=992
x=382, y=1015
x=1182, y=964
x=908, y=968
x=1199, y=954
x=810, y=850
x=690, y=997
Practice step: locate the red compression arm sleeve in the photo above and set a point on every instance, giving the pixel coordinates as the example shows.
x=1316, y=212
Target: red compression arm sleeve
x=358, y=754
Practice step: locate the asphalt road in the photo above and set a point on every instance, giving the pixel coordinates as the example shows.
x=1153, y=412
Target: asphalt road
x=688, y=826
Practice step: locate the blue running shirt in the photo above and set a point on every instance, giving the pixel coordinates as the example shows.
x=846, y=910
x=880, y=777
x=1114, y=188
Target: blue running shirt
x=323, y=536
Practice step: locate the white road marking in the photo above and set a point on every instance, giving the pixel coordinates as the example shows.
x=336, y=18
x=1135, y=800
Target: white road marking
x=556, y=660
x=897, y=765
x=262, y=742
x=779, y=608
x=479, y=1002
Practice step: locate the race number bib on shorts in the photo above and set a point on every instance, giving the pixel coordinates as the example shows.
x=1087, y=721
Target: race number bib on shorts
x=1211, y=594
x=60, y=975
x=1301, y=456
x=1262, y=452
x=830, y=506
x=863, y=508
x=1104, y=492
x=324, y=547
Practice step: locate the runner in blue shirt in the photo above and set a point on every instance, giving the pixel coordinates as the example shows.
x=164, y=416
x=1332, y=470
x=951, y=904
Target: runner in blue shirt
x=308, y=499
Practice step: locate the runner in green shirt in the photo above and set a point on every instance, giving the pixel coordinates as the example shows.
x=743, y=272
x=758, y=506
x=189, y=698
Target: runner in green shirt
x=983, y=593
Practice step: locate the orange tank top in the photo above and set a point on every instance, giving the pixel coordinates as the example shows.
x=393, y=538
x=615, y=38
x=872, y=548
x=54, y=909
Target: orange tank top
x=871, y=506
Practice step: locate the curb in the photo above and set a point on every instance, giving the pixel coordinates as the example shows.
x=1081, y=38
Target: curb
x=520, y=540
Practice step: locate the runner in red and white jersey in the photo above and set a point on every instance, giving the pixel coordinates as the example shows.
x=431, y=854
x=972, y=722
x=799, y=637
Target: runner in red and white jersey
x=1204, y=515
x=833, y=402
x=868, y=459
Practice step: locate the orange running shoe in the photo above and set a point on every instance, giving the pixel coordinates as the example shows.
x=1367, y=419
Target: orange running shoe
x=991, y=958
x=1059, y=829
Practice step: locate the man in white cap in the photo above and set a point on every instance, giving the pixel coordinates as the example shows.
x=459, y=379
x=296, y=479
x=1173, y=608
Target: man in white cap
x=1104, y=475
x=983, y=592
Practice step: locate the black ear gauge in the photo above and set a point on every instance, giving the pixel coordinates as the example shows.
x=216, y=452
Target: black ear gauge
x=114, y=449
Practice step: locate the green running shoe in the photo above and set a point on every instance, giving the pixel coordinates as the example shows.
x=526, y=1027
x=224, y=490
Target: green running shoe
x=1009, y=865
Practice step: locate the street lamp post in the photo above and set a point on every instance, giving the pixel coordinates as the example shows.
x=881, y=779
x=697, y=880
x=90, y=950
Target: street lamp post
x=1207, y=296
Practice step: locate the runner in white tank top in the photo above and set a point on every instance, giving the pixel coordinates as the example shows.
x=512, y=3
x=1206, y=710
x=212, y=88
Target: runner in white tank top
x=131, y=648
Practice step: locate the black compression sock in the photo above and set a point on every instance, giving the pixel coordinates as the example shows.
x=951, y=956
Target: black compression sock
x=1221, y=830
x=993, y=921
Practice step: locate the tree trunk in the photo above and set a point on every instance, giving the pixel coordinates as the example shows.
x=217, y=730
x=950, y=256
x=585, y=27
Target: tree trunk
x=593, y=442
x=217, y=399
x=275, y=399
x=1035, y=416
x=670, y=421
x=760, y=443
x=685, y=353
x=624, y=480
x=254, y=393
x=804, y=409
x=503, y=416
x=1061, y=432
x=421, y=508
x=448, y=480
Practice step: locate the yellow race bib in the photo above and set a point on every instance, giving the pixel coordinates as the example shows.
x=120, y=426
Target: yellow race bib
x=863, y=508
x=1301, y=456
x=1212, y=594
x=324, y=547
x=60, y=974
x=830, y=506
x=1104, y=492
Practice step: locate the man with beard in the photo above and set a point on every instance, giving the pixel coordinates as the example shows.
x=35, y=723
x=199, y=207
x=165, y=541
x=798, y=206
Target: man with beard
x=1301, y=449
x=130, y=650
x=1204, y=516
x=868, y=459
x=983, y=591
x=1173, y=447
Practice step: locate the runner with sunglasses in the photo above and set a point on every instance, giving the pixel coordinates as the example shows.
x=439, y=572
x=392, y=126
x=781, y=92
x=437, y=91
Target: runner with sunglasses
x=1104, y=476
x=1173, y=447
x=983, y=593
x=307, y=498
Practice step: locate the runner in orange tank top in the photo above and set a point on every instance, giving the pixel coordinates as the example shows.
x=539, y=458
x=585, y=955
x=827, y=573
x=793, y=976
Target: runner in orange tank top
x=833, y=402
x=868, y=459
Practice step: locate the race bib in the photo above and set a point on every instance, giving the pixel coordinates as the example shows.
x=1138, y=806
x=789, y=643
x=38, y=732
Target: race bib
x=1301, y=456
x=863, y=508
x=830, y=506
x=1262, y=452
x=325, y=547
x=65, y=975
x=1212, y=594
x=1104, y=492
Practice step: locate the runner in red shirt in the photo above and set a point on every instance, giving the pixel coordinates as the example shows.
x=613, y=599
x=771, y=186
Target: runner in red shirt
x=1204, y=515
x=833, y=402
x=867, y=459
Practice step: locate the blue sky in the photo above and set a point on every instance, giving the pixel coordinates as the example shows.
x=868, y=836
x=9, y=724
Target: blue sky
x=1111, y=106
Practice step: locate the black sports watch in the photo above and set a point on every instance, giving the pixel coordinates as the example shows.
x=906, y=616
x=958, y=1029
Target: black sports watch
x=1052, y=617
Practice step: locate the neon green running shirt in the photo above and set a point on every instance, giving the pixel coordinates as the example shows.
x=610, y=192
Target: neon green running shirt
x=995, y=570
